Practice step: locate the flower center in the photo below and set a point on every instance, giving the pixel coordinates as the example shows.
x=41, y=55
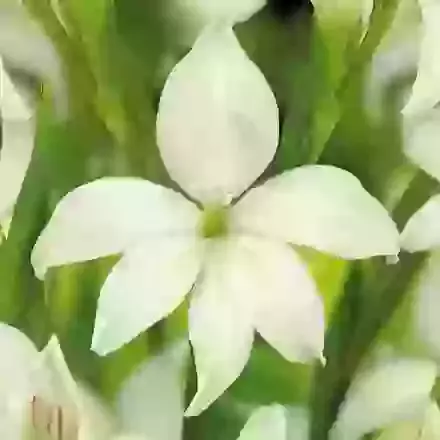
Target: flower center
x=214, y=221
x=51, y=422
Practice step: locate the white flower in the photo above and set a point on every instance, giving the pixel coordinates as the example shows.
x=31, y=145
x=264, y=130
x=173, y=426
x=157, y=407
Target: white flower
x=38, y=395
x=395, y=391
x=17, y=142
x=426, y=89
x=24, y=46
x=422, y=232
x=217, y=131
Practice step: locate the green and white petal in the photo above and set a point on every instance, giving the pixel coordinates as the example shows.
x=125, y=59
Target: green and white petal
x=268, y=422
x=16, y=385
x=220, y=324
x=217, y=126
x=151, y=401
x=422, y=232
x=146, y=285
x=427, y=305
x=426, y=89
x=289, y=314
x=107, y=217
x=421, y=145
x=383, y=395
x=322, y=207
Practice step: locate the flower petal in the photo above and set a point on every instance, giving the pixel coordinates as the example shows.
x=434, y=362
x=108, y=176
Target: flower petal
x=15, y=156
x=147, y=284
x=383, y=395
x=12, y=104
x=323, y=207
x=421, y=141
x=422, y=232
x=150, y=403
x=208, y=12
x=217, y=125
x=269, y=422
x=107, y=216
x=426, y=89
x=16, y=385
x=220, y=324
x=427, y=306
x=289, y=314
x=24, y=46
x=56, y=384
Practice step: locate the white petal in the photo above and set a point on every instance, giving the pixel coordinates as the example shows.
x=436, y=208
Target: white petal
x=289, y=313
x=56, y=384
x=24, y=46
x=146, y=285
x=384, y=395
x=426, y=89
x=323, y=207
x=265, y=423
x=422, y=232
x=421, y=144
x=15, y=156
x=12, y=104
x=431, y=427
x=208, y=12
x=150, y=403
x=19, y=359
x=106, y=217
x=298, y=423
x=220, y=325
x=217, y=125
x=427, y=306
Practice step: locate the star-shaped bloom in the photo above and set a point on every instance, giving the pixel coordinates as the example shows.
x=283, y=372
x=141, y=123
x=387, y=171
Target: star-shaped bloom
x=422, y=232
x=426, y=89
x=217, y=131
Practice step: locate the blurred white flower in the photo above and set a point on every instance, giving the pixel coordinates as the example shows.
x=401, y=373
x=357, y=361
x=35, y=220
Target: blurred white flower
x=38, y=395
x=422, y=232
x=217, y=131
x=426, y=89
x=389, y=395
x=24, y=46
x=17, y=142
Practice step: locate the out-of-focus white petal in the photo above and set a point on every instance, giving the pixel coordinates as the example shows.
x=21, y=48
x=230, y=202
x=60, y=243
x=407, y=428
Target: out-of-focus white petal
x=422, y=232
x=107, y=216
x=19, y=359
x=384, y=395
x=265, y=423
x=150, y=404
x=147, y=284
x=211, y=12
x=427, y=306
x=13, y=105
x=421, y=134
x=15, y=155
x=328, y=11
x=217, y=125
x=323, y=207
x=298, y=423
x=289, y=314
x=24, y=46
x=55, y=382
x=426, y=427
x=426, y=89
x=220, y=324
